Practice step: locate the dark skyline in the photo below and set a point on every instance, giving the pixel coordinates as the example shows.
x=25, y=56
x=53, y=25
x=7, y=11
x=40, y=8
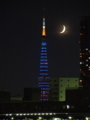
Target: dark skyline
x=21, y=24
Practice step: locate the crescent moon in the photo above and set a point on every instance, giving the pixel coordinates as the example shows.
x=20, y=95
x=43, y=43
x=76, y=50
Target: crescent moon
x=64, y=28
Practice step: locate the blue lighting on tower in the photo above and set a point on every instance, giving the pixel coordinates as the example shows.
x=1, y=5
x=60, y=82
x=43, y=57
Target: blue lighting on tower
x=43, y=73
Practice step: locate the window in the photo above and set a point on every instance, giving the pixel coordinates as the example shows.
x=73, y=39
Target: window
x=63, y=106
x=80, y=62
x=86, y=48
x=88, y=57
x=80, y=80
x=56, y=85
x=80, y=53
x=86, y=64
x=43, y=50
x=43, y=43
x=68, y=106
x=81, y=34
x=72, y=106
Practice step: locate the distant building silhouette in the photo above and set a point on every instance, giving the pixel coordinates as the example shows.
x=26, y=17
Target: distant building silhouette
x=31, y=94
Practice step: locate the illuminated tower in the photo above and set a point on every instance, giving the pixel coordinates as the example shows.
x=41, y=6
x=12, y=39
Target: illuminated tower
x=43, y=79
x=84, y=50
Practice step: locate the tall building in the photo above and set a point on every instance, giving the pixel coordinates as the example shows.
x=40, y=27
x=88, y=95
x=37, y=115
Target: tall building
x=43, y=79
x=84, y=49
x=58, y=87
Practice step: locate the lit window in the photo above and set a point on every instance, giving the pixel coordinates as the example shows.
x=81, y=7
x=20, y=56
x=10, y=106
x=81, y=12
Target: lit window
x=50, y=113
x=39, y=114
x=80, y=53
x=88, y=57
x=86, y=48
x=80, y=62
x=81, y=34
x=80, y=80
x=89, y=69
x=10, y=114
x=68, y=107
x=84, y=74
x=12, y=118
x=42, y=113
x=86, y=60
x=80, y=56
x=89, y=51
x=80, y=69
x=46, y=113
x=6, y=114
x=86, y=64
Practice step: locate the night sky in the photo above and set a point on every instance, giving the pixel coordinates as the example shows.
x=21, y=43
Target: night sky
x=20, y=39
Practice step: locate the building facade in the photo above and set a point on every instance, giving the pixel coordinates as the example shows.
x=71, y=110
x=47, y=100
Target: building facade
x=32, y=94
x=58, y=87
x=84, y=49
x=43, y=79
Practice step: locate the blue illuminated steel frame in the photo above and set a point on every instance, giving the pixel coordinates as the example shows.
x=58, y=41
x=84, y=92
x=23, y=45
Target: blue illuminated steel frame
x=43, y=73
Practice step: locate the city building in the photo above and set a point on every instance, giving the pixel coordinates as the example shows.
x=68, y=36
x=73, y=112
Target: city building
x=31, y=94
x=4, y=96
x=43, y=79
x=78, y=96
x=58, y=87
x=84, y=50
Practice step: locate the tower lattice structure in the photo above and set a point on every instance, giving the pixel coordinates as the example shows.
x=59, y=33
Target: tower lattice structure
x=43, y=79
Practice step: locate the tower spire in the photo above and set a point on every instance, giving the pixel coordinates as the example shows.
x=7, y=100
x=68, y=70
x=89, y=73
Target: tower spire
x=43, y=25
